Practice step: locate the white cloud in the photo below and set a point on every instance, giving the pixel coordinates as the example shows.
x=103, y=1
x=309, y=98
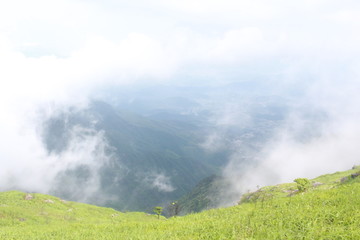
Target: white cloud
x=59, y=52
x=27, y=166
x=319, y=136
x=160, y=182
x=240, y=44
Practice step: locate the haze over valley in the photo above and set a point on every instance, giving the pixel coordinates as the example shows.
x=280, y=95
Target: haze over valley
x=136, y=105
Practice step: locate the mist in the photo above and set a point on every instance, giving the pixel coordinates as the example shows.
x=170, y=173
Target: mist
x=319, y=135
x=302, y=56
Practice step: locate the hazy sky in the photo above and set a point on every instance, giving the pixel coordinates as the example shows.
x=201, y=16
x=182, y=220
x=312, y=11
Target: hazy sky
x=51, y=47
x=60, y=52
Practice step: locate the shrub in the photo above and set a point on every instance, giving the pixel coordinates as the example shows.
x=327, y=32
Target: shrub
x=303, y=184
x=158, y=211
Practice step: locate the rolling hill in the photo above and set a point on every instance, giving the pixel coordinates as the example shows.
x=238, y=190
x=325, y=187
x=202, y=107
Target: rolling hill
x=328, y=209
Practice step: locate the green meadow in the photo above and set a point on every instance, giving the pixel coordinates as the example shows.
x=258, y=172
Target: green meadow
x=329, y=208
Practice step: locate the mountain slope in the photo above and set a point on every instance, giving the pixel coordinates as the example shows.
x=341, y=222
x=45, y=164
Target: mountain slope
x=329, y=209
x=18, y=208
x=151, y=162
x=205, y=195
x=209, y=192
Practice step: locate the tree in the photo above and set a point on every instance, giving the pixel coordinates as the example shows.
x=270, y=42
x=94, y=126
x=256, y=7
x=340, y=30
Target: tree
x=174, y=209
x=302, y=184
x=158, y=211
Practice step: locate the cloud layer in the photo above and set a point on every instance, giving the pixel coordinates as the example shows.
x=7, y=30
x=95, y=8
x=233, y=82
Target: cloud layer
x=55, y=54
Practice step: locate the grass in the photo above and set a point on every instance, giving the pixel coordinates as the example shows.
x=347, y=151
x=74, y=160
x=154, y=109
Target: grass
x=327, y=211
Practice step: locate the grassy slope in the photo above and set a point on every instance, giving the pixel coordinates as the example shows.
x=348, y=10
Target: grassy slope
x=328, y=211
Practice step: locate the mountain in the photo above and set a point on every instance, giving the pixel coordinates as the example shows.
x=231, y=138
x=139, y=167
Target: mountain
x=154, y=144
x=211, y=192
x=205, y=195
x=328, y=209
x=152, y=162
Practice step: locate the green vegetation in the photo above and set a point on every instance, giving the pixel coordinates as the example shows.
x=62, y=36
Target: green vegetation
x=207, y=194
x=303, y=184
x=174, y=209
x=329, y=209
x=158, y=211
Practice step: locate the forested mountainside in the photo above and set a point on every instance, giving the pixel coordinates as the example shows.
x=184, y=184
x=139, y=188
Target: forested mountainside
x=151, y=162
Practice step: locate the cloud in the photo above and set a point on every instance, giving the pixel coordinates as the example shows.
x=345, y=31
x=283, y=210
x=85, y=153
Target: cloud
x=56, y=54
x=28, y=166
x=319, y=135
x=76, y=170
x=160, y=182
x=285, y=158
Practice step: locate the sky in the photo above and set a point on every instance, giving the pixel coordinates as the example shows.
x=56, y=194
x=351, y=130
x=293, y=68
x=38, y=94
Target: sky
x=58, y=53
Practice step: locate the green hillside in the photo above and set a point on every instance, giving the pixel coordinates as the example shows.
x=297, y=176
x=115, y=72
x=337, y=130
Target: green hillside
x=328, y=209
x=206, y=194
